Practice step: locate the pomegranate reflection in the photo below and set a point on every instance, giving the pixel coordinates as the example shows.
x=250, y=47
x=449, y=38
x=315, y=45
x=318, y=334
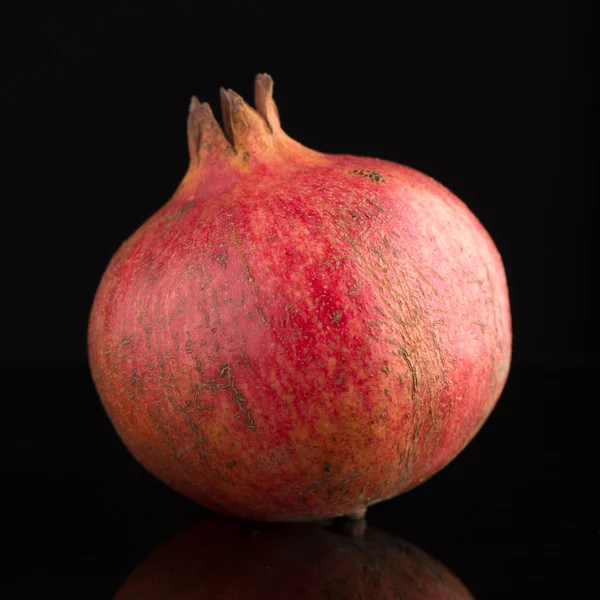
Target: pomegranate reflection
x=225, y=559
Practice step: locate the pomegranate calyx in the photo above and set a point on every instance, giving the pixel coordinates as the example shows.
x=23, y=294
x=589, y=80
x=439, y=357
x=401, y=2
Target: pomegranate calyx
x=246, y=130
x=249, y=136
x=263, y=100
x=204, y=133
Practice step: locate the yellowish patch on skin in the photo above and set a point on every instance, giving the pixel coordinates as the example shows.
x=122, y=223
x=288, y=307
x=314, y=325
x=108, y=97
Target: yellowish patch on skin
x=332, y=368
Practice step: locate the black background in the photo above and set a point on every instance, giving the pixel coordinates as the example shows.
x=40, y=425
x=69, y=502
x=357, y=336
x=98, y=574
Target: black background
x=496, y=103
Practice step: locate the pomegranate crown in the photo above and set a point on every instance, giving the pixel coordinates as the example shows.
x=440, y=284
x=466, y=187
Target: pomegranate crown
x=247, y=132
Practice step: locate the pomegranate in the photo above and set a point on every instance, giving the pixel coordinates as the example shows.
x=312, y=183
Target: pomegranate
x=297, y=335
x=225, y=559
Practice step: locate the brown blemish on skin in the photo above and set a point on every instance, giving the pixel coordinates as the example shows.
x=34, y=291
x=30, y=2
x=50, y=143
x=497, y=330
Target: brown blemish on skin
x=374, y=176
x=381, y=256
x=337, y=315
x=415, y=382
x=442, y=357
x=261, y=316
x=237, y=395
x=213, y=385
x=238, y=244
x=221, y=259
x=363, y=233
x=247, y=272
x=376, y=205
x=480, y=325
x=181, y=210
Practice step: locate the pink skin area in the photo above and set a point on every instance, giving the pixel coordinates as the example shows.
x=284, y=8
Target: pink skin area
x=229, y=560
x=301, y=336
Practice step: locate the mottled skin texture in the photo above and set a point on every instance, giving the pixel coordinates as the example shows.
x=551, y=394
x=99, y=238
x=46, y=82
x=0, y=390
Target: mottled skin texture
x=297, y=335
x=227, y=560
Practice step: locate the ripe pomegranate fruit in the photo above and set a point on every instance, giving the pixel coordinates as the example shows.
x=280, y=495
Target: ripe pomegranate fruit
x=297, y=335
x=225, y=559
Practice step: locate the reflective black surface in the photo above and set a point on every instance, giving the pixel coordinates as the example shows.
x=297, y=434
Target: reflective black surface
x=506, y=516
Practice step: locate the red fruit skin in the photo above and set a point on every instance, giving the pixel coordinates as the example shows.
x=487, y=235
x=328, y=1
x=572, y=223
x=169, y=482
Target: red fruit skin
x=297, y=335
x=227, y=560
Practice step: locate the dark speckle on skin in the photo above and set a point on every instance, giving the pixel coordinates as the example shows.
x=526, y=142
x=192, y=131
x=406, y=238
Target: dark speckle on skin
x=221, y=259
x=180, y=211
x=374, y=176
x=327, y=467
